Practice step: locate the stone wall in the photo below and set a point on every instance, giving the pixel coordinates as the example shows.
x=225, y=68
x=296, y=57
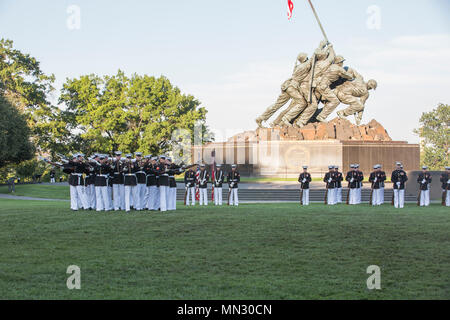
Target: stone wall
x=369, y=153
x=282, y=152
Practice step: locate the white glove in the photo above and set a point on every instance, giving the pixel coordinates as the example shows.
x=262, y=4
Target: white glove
x=329, y=180
x=375, y=180
x=424, y=181
x=398, y=184
x=351, y=180
x=304, y=180
x=448, y=181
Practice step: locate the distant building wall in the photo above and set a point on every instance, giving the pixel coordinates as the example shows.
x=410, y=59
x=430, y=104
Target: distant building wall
x=369, y=153
x=286, y=158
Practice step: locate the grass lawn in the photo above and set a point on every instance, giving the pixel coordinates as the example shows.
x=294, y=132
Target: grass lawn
x=39, y=191
x=266, y=251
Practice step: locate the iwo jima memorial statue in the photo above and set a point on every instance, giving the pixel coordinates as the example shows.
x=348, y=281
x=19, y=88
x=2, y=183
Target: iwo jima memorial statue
x=301, y=135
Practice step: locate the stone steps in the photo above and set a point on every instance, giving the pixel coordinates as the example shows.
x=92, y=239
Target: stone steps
x=293, y=195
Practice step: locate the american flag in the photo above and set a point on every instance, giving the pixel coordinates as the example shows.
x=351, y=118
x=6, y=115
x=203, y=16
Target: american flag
x=213, y=174
x=197, y=182
x=290, y=9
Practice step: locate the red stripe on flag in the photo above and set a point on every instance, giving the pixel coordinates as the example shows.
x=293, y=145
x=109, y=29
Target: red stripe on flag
x=213, y=176
x=197, y=180
x=290, y=9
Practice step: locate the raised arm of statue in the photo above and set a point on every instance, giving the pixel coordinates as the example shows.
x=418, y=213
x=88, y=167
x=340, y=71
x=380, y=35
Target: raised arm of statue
x=354, y=73
x=346, y=75
x=331, y=54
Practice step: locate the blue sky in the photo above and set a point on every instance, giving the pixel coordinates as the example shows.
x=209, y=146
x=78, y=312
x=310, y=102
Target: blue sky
x=234, y=55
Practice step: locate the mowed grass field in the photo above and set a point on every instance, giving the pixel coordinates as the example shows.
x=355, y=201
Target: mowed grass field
x=254, y=251
x=39, y=191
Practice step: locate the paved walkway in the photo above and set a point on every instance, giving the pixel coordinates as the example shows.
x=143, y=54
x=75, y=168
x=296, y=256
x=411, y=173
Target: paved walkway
x=12, y=197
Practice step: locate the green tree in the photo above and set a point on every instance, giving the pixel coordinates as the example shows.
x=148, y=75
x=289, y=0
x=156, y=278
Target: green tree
x=109, y=113
x=435, y=137
x=15, y=145
x=25, y=86
x=27, y=169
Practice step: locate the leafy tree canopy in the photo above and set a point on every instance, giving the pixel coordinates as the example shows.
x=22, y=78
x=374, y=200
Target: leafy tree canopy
x=15, y=145
x=26, y=87
x=435, y=137
x=98, y=114
x=109, y=113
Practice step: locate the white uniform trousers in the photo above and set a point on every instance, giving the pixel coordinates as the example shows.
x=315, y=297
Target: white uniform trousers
x=90, y=196
x=152, y=198
x=190, y=194
x=331, y=199
x=102, y=198
x=147, y=198
x=163, y=192
x=73, y=198
x=381, y=196
x=305, y=197
x=218, y=196
x=399, y=198
x=132, y=197
x=339, y=195
x=167, y=198
x=110, y=197
x=375, y=195
x=358, y=195
x=425, y=198
x=157, y=198
x=82, y=199
x=140, y=196
x=447, y=198
x=152, y=193
x=172, y=200
x=234, y=200
x=142, y=189
x=119, y=196
x=353, y=196
x=130, y=193
x=203, y=196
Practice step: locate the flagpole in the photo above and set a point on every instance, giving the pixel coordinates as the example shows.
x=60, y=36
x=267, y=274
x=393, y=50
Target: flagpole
x=213, y=174
x=318, y=21
x=314, y=58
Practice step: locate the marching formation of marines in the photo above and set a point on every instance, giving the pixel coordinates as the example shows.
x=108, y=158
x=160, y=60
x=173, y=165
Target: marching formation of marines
x=320, y=79
x=333, y=182
x=140, y=183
